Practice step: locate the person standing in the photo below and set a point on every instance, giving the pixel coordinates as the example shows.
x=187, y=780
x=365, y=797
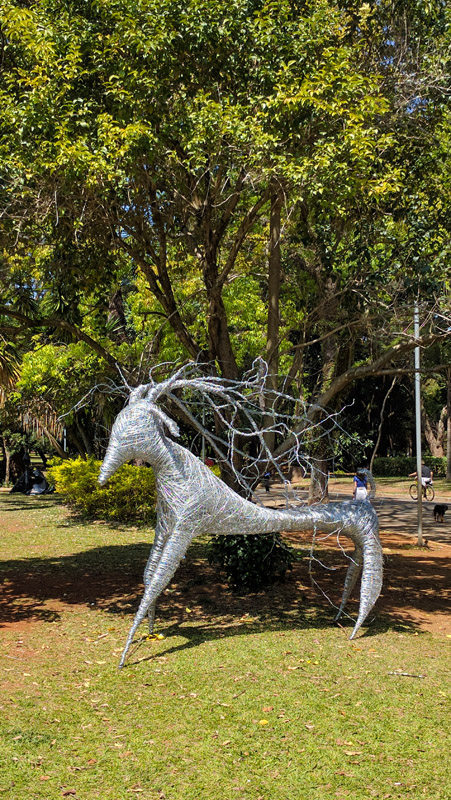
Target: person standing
x=360, y=491
x=266, y=480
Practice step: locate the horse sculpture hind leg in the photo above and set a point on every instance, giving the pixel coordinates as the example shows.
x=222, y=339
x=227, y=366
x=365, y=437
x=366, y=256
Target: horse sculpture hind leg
x=353, y=572
x=161, y=536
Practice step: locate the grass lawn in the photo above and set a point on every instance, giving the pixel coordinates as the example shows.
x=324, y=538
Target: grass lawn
x=255, y=698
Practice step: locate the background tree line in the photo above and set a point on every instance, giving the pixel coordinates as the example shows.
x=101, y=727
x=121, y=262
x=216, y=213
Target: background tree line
x=188, y=180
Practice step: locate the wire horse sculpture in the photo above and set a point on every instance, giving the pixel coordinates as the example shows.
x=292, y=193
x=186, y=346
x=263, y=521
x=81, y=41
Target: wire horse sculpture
x=192, y=501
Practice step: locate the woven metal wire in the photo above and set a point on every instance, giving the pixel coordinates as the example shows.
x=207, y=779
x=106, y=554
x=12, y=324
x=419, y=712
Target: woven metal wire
x=192, y=501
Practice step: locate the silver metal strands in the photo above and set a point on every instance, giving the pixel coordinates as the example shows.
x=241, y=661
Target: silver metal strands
x=192, y=501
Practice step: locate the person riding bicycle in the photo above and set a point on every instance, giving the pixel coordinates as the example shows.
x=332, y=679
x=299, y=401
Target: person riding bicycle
x=426, y=476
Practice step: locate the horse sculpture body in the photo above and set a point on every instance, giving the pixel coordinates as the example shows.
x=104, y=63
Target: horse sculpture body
x=192, y=501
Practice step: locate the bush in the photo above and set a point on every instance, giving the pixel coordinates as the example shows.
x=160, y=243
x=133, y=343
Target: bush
x=251, y=563
x=129, y=494
x=401, y=466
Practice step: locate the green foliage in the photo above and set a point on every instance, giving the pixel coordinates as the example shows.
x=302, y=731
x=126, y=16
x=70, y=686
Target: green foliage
x=129, y=494
x=251, y=563
x=350, y=450
x=399, y=466
x=216, y=470
x=140, y=145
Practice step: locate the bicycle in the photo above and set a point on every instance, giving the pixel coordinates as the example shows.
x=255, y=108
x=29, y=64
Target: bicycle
x=428, y=492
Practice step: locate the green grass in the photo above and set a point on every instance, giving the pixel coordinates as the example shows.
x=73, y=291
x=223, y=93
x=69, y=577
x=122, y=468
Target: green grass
x=265, y=706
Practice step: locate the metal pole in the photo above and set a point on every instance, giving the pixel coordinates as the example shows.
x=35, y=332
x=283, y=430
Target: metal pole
x=203, y=437
x=416, y=326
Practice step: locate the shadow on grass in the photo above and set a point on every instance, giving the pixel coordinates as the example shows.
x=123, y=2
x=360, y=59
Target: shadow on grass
x=315, y=618
x=110, y=578
x=91, y=577
x=26, y=503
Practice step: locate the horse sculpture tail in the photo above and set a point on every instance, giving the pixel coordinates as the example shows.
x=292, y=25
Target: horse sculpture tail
x=358, y=521
x=368, y=558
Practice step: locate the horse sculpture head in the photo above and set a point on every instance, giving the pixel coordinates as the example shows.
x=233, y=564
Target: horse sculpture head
x=137, y=432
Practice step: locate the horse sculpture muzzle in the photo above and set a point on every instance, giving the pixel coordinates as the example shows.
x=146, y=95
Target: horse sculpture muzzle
x=115, y=456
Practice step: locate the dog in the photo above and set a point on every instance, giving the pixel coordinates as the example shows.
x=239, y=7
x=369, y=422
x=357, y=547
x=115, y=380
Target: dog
x=439, y=512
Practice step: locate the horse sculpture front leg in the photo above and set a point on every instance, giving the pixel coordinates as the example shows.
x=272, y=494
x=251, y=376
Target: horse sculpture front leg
x=172, y=553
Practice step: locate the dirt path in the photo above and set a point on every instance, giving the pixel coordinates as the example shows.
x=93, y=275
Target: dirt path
x=397, y=512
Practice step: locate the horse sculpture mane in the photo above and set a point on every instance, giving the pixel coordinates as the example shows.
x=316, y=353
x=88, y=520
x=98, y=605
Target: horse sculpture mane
x=192, y=501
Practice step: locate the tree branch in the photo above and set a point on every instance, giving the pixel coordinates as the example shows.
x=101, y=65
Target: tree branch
x=372, y=368
x=167, y=301
x=55, y=322
x=229, y=209
x=243, y=230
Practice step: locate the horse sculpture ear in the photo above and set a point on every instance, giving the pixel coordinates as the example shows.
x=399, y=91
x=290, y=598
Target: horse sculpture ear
x=138, y=394
x=172, y=426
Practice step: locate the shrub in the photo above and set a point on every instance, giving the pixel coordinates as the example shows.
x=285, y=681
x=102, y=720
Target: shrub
x=251, y=562
x=402, y=466
x=128, y=495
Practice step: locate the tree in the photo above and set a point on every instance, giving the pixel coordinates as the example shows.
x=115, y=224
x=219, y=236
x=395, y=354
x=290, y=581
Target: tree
x=165, y=146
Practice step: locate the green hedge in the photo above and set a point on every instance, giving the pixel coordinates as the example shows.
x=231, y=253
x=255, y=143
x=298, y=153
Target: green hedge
x=251, y=563
x=129, y=495
x=402, y=466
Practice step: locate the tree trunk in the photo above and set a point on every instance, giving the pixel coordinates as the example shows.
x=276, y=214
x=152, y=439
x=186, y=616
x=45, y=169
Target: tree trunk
x=219, y=344
x=381, y=422
x=13, y=464
x=272, y=331
x=7, y=462
x=74, y=438
x=318, y=490
x=3, y=461
x=448, y=426
x=116, y=315
x=87, y=445
x=435, y=437
x=319, y=478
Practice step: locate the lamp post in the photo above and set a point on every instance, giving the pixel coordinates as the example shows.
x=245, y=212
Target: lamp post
x=203, y=437
x=416, y=326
